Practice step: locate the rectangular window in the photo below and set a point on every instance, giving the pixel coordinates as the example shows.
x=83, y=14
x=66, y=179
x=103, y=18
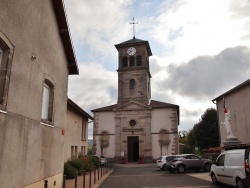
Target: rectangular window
x=47, y=102
x=2, y=77
x=76, y=152
x=84, y=127
x=84, y=150
x=6, y=55
x=1, y=54
x=72, y=151
x=45, y=105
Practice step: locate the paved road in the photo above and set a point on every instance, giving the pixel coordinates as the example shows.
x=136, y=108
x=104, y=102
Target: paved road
x=148, y=176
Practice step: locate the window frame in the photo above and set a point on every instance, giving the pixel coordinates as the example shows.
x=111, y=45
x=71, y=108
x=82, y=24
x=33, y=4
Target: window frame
x=132, y=84
x=131, y=61
x=138, y=60
x=84, y=129
x=124, y=61
x=50, y=109
x=5, y=69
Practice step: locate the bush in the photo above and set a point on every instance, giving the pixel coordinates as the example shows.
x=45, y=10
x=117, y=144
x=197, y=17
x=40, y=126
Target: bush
x=95, y=160
x=69, y=170
x=78, y=164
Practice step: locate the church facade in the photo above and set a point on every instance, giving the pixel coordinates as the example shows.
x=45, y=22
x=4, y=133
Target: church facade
x=136, y=127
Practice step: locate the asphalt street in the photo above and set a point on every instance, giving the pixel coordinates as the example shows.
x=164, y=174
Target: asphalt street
x=148, y=176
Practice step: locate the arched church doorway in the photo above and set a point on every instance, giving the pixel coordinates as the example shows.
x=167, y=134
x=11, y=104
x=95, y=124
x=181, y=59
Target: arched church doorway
x=133, y=148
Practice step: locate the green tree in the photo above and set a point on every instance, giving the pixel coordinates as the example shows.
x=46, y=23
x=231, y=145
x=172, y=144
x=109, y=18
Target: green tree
x=206, y=133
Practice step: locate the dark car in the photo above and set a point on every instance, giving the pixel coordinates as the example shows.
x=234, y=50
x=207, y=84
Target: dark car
x=189, y=162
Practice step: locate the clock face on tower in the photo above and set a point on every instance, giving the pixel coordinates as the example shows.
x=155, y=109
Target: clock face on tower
x=131, y=51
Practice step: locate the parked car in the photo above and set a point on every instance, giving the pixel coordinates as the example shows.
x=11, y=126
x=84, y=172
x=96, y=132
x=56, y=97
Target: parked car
x=164, y=161
x=232, y=168
x=184, y=162
x=103, y=160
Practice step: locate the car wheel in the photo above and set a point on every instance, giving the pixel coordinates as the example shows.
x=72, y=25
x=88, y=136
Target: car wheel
x=164, y=167
x=239, y=183
x=181, y=168
x=171, y=171
x=214, y=179
x=207, y=167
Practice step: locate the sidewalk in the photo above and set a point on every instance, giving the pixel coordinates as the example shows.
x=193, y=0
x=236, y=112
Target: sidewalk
x=95, y=181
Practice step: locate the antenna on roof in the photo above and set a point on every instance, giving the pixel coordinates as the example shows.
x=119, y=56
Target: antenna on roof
x=133, y=25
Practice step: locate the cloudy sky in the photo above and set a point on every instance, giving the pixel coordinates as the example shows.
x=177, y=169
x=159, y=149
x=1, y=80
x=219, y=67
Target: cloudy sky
x=201, y=49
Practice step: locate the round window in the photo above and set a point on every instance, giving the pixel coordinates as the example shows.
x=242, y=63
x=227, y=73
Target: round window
x=132, y=122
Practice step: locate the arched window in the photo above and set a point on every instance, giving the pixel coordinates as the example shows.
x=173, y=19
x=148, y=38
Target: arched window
x=124, y=61
x=104, y=139
x=132, y=84
x=47, y=102
x=131, y=61
x=164, y=137
x=138, y=60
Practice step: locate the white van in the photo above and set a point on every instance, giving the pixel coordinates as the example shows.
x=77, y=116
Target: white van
x=232, y=168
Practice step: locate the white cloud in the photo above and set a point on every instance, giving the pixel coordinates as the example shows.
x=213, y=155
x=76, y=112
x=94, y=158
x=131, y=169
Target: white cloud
x=195, y=43
x=95, y=87
x=195, y=28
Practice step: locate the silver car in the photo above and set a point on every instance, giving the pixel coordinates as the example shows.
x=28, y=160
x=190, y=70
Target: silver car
x=189, y=162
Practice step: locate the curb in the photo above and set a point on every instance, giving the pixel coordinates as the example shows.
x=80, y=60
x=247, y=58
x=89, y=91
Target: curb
x=102, y=180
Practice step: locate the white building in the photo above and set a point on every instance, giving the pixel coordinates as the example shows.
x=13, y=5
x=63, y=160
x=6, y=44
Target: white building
x=135, y=126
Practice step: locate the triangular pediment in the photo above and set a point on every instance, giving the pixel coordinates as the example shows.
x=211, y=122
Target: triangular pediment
x=133, y=105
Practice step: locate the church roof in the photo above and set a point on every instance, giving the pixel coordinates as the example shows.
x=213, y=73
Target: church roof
x=135, y=41
x=153, y=104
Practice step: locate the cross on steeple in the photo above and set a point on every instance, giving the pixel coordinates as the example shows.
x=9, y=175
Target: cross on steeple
x=134, y=26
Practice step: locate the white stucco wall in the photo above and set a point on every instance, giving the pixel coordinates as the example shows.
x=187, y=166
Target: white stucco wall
x=239, y=105
x=30, y=151
x=106, y=122
x=73, y=134
x=161, y=120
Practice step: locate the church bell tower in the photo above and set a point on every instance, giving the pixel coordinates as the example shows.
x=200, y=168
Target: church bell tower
x=133, y=71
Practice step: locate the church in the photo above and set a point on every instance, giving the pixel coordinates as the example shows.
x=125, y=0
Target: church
x=136, y=127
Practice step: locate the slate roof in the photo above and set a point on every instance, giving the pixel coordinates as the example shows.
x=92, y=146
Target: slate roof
x=135, y=41
x=78, y=109
x=233, y=89
x=153, y=104
x=65, y=35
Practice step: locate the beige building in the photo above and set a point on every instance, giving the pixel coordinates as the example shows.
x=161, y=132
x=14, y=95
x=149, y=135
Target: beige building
x=136, y=126
x=36, y=57
x=76, y=131
x=238, y=103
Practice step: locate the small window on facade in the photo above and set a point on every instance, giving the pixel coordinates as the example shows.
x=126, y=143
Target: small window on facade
x=72, y=152
x=1, y=54
x=82, y=152
x=131, y=61
x=124, y=61
x=132, y=123
x=76, y=151
x=138, y=60
x=47, y=102
x=132, y=84
x=6, y=54
x=84, y=122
